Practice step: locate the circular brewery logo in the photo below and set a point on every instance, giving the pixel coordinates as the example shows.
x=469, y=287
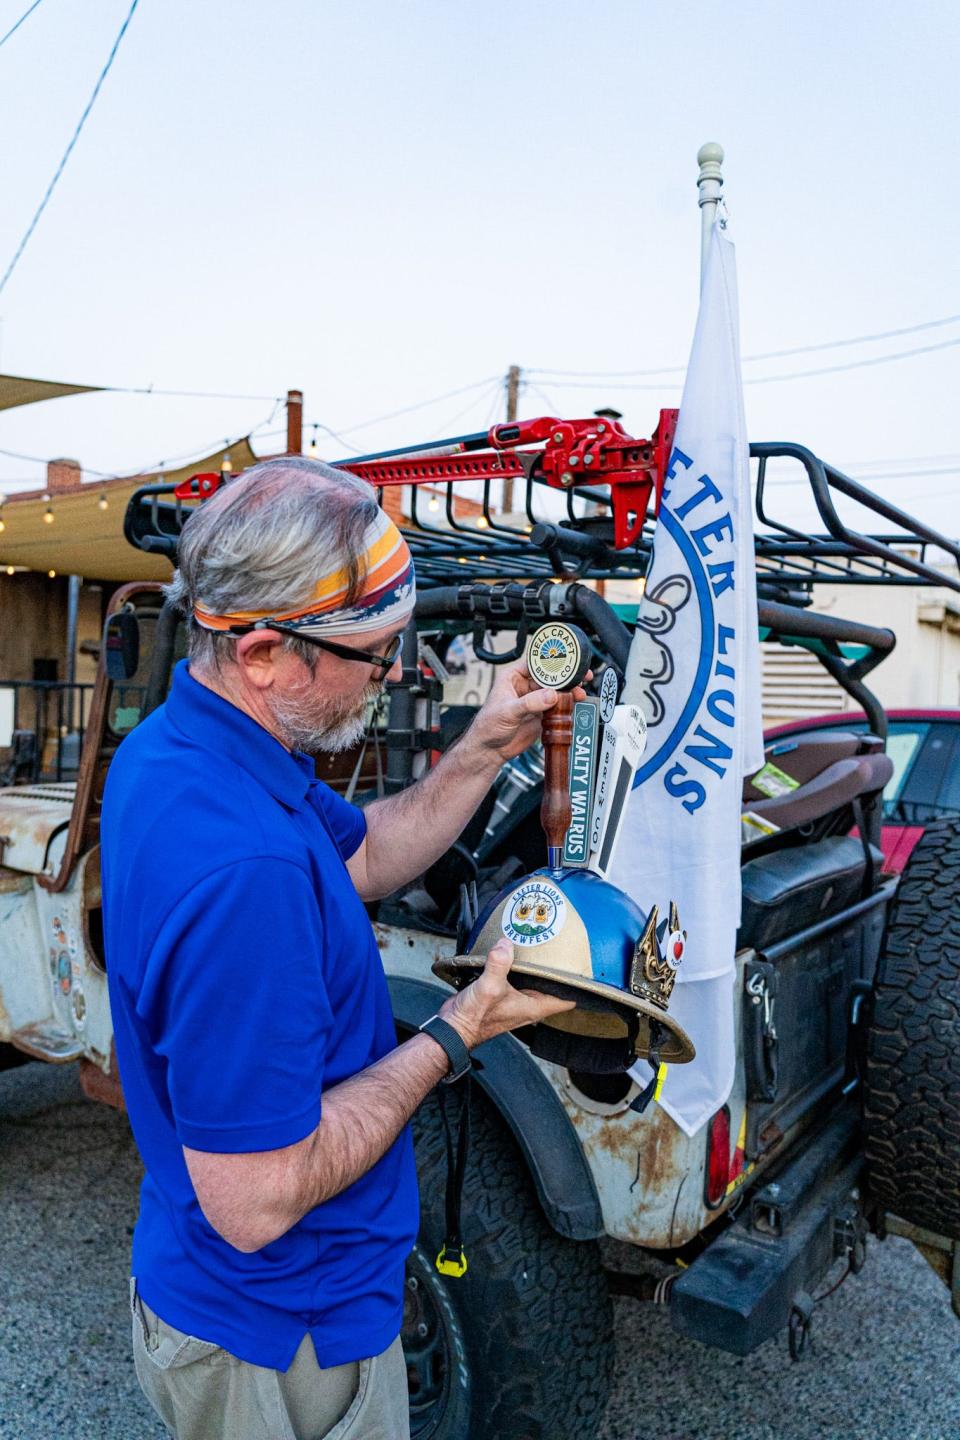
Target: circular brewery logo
x=534, y=914
x=554, y=655
x=608, y=694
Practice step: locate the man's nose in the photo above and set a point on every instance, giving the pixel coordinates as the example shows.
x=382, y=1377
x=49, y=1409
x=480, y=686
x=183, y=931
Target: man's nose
x=395, y=672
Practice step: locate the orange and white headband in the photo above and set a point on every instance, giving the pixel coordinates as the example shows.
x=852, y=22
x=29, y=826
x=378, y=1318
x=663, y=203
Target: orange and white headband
x=387, y=597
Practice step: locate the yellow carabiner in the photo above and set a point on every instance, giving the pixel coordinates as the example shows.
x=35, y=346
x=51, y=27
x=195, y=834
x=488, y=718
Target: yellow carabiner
x=452, y=1267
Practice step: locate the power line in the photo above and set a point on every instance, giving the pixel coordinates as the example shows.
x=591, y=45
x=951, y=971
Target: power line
x=14, y=28
x=763, y=355
x=857, y=339
x=196, y=452
x=182, y=394
x=853, y=364
x=316, y=425
x=766, y=379
x=420, y=405
x=69, y=150
x=489, y=397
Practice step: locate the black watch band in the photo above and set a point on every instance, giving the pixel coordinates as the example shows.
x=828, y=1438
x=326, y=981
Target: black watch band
x=451, y=1044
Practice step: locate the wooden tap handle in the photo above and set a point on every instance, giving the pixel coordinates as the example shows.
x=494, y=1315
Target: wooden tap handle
x=557, y=731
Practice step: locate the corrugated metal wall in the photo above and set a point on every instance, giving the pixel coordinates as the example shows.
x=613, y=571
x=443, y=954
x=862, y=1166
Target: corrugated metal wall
x=795, y=686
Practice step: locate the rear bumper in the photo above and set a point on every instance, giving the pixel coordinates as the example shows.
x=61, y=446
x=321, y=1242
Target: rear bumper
x=742, y=1290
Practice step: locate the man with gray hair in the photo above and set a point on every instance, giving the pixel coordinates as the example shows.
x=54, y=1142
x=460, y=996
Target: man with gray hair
x=265, y=1087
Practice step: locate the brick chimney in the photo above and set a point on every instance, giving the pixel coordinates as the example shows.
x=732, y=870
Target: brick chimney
x=62, y=475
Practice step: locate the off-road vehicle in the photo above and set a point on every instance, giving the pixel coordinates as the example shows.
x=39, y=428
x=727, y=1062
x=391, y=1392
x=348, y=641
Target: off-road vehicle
x=844, y=1117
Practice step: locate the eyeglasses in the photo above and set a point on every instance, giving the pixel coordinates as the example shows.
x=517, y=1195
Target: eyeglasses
x=344, y=652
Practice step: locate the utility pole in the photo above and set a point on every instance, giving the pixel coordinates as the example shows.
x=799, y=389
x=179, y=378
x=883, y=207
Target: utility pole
x=513, y=398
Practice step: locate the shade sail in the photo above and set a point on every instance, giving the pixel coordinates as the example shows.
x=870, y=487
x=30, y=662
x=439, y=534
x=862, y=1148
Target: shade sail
x=85, y=540
x=18, y=390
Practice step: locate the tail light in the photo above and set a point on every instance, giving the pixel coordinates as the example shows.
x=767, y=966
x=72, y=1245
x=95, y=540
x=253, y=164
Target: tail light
x=718, y=1157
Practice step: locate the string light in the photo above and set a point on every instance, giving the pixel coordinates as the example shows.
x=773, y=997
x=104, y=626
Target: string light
x=434, y=503
x=226, y=466
x=52, y=574
x=103, y=503
x=10, y=570
x=48, y=513
x=313, y=449
x=3, y=523
x=483, y=522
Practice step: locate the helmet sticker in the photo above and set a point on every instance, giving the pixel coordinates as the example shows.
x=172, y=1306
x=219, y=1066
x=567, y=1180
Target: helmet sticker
x=534, y=914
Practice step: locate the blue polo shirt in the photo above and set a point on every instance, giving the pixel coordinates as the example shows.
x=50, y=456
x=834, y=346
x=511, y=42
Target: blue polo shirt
x=245, y=981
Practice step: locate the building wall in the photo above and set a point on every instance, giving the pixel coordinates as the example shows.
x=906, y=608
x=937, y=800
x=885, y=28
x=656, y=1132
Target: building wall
x=923, y=671
x=33, y=624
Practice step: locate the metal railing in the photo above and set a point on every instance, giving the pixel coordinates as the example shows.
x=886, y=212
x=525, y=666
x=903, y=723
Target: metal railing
x=42, y=725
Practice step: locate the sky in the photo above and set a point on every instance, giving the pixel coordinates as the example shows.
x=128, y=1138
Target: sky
x=382, y=202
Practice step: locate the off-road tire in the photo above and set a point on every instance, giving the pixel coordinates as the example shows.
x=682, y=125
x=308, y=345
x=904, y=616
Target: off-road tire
x=912, y=1099
x=529, y=1326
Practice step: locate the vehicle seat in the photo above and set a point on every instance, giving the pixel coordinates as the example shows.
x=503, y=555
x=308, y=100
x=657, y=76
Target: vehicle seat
x=804, y=757
x=787, y=890
x=830, y=769
x=831, y=790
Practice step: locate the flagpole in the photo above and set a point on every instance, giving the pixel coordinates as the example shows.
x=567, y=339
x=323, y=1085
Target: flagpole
x=710, y=184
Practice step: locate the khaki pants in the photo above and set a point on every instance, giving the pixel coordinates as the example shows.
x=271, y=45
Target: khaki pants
x=202, y=1392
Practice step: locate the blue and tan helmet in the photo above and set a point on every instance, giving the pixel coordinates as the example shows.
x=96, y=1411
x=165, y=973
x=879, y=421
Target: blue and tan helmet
x=578, y=937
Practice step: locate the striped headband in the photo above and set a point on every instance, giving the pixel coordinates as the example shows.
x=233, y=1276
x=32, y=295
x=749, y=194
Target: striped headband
x=387, y=596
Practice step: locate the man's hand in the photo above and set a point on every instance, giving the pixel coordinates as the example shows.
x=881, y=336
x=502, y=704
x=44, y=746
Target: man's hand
x=490, y=1004
x=252, y=1199
x=509, y=720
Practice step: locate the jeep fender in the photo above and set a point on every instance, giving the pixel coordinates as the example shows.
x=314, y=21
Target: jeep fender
x=518, y=1088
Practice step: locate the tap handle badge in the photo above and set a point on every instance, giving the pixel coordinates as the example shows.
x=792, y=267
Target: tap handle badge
x=558, y=656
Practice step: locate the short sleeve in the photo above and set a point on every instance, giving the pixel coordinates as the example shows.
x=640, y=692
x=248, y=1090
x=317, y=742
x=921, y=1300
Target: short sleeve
x=233, y=997
x=346, y=823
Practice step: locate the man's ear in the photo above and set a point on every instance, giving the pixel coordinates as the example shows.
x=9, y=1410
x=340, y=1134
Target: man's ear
x=257, y=655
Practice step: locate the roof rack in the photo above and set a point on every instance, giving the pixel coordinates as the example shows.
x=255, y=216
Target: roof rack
x=607, y=530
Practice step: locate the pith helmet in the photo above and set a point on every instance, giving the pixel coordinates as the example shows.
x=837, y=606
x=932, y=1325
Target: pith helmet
x=580, y=938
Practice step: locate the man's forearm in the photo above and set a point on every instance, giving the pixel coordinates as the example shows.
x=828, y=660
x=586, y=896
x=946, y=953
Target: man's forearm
x=251, y=1200
x=408, y=832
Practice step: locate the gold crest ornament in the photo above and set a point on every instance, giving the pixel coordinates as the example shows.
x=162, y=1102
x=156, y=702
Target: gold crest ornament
x=653, y=973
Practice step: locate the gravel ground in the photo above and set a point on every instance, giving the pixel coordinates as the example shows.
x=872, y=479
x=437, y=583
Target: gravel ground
x=886, y=1364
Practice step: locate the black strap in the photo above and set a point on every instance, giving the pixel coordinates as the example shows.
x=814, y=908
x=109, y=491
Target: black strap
x=640, y=1102
x=452, y=1045
x=452, y=1260
x=869, y=867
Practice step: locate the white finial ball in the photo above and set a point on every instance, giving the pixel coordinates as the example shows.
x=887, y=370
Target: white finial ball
x=710, y=153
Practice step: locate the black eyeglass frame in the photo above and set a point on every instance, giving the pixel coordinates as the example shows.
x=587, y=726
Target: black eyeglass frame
x=343, y=652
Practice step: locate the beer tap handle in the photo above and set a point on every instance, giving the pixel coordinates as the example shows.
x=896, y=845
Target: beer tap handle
x=558, y=657
x=555, y=811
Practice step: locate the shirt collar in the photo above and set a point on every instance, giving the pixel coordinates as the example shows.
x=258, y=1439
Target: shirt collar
x=215, y=724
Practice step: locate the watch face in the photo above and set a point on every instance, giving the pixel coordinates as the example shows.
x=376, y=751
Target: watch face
x=555, y=656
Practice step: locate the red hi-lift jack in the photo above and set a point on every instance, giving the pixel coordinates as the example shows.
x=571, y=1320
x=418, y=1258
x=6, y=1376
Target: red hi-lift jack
x=575, y=454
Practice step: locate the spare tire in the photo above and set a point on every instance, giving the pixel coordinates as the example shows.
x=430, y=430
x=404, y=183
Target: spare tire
x=912, y=1091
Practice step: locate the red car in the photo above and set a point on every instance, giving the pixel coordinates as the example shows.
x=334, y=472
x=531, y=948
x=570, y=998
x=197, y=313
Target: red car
x=924, y=746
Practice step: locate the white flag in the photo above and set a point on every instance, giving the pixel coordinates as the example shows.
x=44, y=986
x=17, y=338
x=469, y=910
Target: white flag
x=694, y=670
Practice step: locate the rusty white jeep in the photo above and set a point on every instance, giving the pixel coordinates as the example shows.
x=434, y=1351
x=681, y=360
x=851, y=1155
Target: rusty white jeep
x=844, y=1116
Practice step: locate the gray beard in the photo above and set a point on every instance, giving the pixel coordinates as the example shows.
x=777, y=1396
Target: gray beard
x=326, y=727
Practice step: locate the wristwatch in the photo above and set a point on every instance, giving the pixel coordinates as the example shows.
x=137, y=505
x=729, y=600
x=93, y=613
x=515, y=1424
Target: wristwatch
x=451, y=1044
